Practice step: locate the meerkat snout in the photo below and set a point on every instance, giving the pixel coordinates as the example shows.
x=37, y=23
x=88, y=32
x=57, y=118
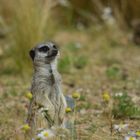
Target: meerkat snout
x=44, y=52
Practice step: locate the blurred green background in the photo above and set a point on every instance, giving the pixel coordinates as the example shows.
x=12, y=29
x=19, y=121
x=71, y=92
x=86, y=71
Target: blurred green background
x=25, y=23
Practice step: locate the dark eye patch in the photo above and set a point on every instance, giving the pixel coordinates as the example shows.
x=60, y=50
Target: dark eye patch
x=44, y=49
x=54, y=46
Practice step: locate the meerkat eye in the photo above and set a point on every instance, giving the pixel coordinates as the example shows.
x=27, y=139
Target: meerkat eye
x=44, y=49
x=54, y=46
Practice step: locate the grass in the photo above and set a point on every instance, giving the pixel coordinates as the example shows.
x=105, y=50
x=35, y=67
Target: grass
x=124, y=107
x=72, y=58
x=64, y=65
x=113, y=72
x=30, y=24
x=93, y=60
x=98, y=61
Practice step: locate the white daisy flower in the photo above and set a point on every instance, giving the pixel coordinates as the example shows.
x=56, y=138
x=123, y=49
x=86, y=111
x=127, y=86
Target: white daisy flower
x=45, y=134
x=120, y=127
x=129, y=138
x=132, y=133
x=119, y=94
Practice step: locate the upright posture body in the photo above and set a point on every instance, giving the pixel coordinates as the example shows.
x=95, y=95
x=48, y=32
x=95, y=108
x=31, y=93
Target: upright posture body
x=47, y=107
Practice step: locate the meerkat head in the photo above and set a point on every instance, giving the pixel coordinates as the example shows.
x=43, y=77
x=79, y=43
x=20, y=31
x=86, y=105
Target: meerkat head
x=44, y=53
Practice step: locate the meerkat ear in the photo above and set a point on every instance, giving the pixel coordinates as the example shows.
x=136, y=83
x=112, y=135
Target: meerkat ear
x=32, y=54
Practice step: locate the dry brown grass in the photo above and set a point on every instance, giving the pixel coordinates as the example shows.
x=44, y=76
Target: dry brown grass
x=30, y=24
x=103, y=46
x=102, y=51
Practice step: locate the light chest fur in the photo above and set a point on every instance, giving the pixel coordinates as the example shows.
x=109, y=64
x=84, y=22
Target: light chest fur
x=47, y=96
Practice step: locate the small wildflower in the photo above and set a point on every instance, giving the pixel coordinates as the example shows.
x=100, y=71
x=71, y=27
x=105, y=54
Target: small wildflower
x=120, y=127
x=119, y=94
x=76, y=95
x=45, y=134
x=138, y=133
x=107, y=15
x=129, y=138
x=29, y=95
x=64, y=3
x=68, y=110
x=132, y=133
x=106, y=96
x=26, y=127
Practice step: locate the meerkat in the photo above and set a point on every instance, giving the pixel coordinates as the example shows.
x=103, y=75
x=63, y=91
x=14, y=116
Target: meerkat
x=47, y=107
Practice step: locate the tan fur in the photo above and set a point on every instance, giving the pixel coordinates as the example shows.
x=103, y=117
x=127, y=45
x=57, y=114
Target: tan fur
x=47, y=107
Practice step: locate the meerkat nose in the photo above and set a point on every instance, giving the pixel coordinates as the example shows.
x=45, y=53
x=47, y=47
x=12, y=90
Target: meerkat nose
x=32, y=53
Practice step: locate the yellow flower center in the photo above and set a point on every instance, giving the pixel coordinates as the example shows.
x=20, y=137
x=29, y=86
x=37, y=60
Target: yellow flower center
x=68, y=109
x=29, y=95
x=46, y=134
x=131, y=138
x=106, y=96
x=138, y=133
x=76, y=95
x=26, y=127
